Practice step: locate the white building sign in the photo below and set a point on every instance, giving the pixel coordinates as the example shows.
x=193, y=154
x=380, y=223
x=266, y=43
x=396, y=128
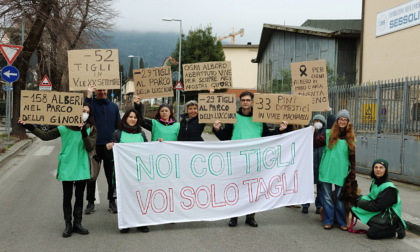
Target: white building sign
x=401, y=17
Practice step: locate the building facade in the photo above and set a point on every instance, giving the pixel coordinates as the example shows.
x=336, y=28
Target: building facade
x=337, y=41
x=391, y=35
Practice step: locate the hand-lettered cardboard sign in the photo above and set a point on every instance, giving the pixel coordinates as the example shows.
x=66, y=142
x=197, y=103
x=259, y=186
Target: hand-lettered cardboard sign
x=212, y=107
x=52, y=108
x=207, y=75
x=275, y=108
x=153, y=82
x=309, y=78
x=93, y=67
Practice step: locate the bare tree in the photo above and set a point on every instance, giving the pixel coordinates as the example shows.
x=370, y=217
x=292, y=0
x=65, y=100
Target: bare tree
x=55, y=26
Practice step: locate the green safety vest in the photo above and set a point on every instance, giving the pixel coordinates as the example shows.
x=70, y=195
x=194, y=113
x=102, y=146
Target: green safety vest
x=375, y=190
x=168, y=133
x=73, y=160
x=334, y=165
x=131, y=138
x=245, y=128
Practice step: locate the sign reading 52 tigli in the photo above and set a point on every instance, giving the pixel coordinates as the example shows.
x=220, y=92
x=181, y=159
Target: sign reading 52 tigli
x=94, y=67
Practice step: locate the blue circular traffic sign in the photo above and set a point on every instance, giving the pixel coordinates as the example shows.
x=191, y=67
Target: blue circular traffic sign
x=10, y=74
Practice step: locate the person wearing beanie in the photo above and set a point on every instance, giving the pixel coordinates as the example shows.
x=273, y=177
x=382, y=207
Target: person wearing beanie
x=320, y=124
x=337, y=163
x=381, y=208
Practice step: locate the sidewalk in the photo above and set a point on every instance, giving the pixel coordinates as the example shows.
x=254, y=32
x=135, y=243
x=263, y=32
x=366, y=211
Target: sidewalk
x=408, y=193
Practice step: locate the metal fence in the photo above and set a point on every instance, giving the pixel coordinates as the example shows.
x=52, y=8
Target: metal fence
x=384, y=107
x=386, y=116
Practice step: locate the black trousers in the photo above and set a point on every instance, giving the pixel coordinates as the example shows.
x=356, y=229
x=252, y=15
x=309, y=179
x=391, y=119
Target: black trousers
x=68, y=193
x=107, y=160
x=381, y=232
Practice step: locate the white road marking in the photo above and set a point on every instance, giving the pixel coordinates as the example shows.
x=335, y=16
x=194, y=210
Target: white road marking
x=44, y=150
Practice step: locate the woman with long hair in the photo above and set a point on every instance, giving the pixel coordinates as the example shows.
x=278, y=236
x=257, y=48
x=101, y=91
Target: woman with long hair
x=163, y=126
x=73, y=167
x=338, y=162
x=129, y=131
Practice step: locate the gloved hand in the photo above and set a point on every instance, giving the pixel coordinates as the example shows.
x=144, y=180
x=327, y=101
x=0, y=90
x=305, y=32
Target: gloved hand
x=84, y=131
x=29, y=127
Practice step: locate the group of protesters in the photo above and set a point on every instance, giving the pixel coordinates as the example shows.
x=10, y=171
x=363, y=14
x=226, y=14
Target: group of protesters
x=334, y=160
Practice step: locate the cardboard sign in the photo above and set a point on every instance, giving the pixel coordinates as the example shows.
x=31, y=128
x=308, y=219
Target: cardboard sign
x=274, y=108
x=94, y=67
x=153, y=82
x=212, y=107
x=309, y=78
x=52, y=108
x=203, y=76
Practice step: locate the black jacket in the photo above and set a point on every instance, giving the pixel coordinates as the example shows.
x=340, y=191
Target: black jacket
x=190, y=129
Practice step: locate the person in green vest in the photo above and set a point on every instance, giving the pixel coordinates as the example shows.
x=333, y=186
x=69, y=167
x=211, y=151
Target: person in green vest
x=73, y=165
x=245, y=128
x=381, y=208
x=129, y=131
x=338, y=161
x=164, y=126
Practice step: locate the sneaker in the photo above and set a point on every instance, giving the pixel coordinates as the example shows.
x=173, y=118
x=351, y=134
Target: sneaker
x=112, y=207
x=305, y=210
x=400, y=231
x=90, y=208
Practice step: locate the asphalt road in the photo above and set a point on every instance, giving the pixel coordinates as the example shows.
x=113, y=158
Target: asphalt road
x=31, y=219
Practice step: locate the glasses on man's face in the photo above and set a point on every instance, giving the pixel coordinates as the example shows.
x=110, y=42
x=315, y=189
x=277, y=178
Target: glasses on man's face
x=246, y=100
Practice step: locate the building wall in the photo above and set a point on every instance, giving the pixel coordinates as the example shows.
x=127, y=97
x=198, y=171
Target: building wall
x=394, y=55
x=287, y=47
x=244, y=72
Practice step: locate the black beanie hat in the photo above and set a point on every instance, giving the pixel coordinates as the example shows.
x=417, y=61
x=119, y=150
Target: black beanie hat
x=382, y=162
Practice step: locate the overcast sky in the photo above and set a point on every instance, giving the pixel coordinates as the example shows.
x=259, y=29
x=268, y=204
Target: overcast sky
x=225, y=15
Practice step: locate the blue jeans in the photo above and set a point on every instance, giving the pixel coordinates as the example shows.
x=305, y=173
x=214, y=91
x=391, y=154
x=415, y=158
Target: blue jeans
x=332, y=206
x=318, y=202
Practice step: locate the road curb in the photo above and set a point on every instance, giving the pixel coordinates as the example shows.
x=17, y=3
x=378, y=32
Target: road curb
x=10, y=153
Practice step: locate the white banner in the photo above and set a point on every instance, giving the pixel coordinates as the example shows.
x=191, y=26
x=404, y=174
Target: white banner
x=169, y=182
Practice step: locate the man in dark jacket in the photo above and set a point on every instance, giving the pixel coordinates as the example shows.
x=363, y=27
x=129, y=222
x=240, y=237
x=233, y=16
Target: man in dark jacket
x=245, y=128
x=190, y=129
x=107, y=116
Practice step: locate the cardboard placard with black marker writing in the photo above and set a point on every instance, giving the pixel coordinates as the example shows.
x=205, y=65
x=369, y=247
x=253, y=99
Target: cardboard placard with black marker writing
x=212, y=107
x=274, y=108
x=309, y=78
x=93, y=67
x=153, y=82
x=52, y=108
x=207, y=75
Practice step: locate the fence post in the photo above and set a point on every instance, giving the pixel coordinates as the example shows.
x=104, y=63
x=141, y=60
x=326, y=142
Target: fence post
x=406, y=108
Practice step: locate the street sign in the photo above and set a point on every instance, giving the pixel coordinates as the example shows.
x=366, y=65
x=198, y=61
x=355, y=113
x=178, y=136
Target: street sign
x=45, y=84
x=10, y=74
x=178, y=85
x=10, y=52
x=4, y=88
x=175, y=76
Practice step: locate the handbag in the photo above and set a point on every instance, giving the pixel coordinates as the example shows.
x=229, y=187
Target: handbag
x=95, y=165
